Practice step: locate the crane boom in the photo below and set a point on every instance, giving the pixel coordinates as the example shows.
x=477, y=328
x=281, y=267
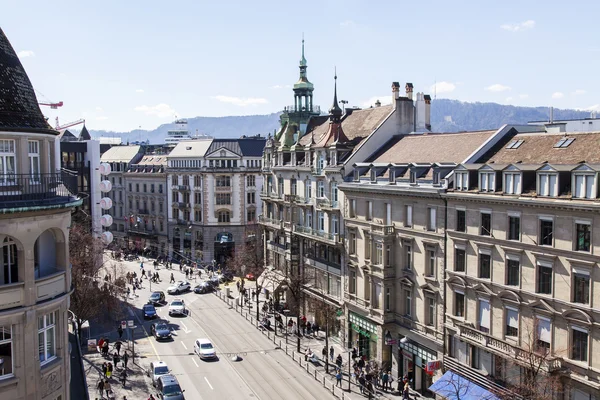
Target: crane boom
x=52, y=105
x=59, y=127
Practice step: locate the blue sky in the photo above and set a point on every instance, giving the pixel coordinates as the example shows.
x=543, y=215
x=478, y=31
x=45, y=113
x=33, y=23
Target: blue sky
x=125, y=64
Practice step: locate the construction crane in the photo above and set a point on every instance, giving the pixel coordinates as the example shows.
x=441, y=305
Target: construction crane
x=54, y=106
x=59, y=127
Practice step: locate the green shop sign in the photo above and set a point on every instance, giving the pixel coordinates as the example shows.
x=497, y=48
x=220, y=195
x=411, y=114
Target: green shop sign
x=358, y=329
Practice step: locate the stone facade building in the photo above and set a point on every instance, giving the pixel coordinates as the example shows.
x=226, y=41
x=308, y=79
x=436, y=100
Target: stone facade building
x=35, y=215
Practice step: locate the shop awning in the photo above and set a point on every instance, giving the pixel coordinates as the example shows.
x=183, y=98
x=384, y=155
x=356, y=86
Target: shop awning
x=271, y=280
x=454, y=387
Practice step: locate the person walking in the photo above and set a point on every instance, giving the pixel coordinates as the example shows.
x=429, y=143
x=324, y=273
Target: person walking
x=324, y=352
x=120, y=328
x=338, y=361
x=384, y=380
x=104, y=369
x=133, y=290
x=125, y=359
x=109, y=370
x=118, y=344
x=101, y=387
x=338, y=377
x=123, y=376
x=331, y=354
x=172, y=278
x=107, y=388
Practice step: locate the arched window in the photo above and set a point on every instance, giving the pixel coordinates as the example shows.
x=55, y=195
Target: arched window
x=224, y=216
x=10, y=262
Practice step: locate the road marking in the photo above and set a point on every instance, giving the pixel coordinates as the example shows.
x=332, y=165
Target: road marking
x=185, y=328
x=193, y=359
x=206, y=379
x=183, y=344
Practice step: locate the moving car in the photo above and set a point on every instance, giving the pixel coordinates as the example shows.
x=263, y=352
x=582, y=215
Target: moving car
x=204, y=287
x=161, y=330
x=204, y=348
x=177, y=307
x=214, y=280
x=157, y=369
x=168, y=388
x=157, y=298
x=149, y=311
x=179, y=287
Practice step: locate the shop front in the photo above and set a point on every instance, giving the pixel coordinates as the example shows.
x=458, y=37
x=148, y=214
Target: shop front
x=413, y=359
x=363, y=335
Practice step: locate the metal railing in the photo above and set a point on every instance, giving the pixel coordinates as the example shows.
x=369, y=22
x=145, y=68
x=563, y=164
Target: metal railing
x=294, y=108
x=332, y=237
x=22, y=190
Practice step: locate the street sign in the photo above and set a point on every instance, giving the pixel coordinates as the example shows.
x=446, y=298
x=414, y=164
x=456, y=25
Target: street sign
x=130, y=323
x=91, y=344
x=123, y=324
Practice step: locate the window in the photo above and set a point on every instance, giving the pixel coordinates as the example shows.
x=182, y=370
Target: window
x=224, y=216
x=6, y=369
x=579, y=344
x=513, y=271
x=547, y=184
x=320, y=221
x=485, y=265
x=369, y=215
x=34, y=159
x=352, y=243
x=197, y=215
x=387, y=299
x=581, y=287
x=512, y=322
x=582, y=242
x=280, y=186
x=251, y=181
x=484, y=316
x=130, y=190
x=174, y=180
x=378, y=254
x=335, y=225
x=486, y=224
x=407, y=302
x=223, y=199
x=152, y=188
x=388, y=255
x=197, y=198
x=293, y=187
x=408, y=256
x=431, y=219
x=197, y=181
x=160, y=207
x=251, y=198
x=320, y=189
x=388, y=214
x=146, y=187
x=352, y=208
x=430, y=318
x=584, y=186
x=160, y=188
x=431, y=262
x=251, y=215
x=514, y=227
x=7, y=160
x=461, y=180
x=546, y=231
x=544, y=278
x=512, y=183
x=460, y=260
x=10, y=262
x=376, y=295
x=308, y=190
x=223, y=181
x=487, y=181
x=47, y=337
x=137, y=187
x=459, y=304
x=408, y=222
x=544, y=334
x=352, y=284
x=461, y=220
x=334, y=192
x=368, y=244
x=564, y=142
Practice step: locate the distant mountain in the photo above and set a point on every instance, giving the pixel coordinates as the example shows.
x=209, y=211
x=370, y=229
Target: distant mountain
x=446, y=116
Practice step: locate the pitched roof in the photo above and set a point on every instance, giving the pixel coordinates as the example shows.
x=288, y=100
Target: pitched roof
x=245, y=147
x=19, y=109
x=84, y=134
x=153, y=159
x=191, y=148
x=120, y=154
x=433, y=147
x=538, y=148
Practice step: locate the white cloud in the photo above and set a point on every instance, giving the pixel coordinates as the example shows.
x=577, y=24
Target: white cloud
x=558, y=95
x=497, y=88
x=139, y=91
x=595, y=107
x=509, y=99
x=347, y=23
x=523, y=96
x=99, y=109
x=371, y=102
x=522, y=26
x=442, y=87
x=240, y=101
x=579, y=91
x=25, y=54
x=281, y=86
x=101, y=118
x=161, y=110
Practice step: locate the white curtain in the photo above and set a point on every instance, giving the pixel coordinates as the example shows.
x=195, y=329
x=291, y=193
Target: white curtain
x=543, y=330
x=484, y=314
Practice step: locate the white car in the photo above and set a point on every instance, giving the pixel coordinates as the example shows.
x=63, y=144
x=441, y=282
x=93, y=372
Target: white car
x=205, y=349
x=179, y=287
x=177, y=307
x=157, y=368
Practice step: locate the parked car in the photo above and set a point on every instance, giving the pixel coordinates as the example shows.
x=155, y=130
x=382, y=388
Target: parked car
x=214, y=281
x=177, y=307
x=179, y=287
x=157, y=298
x=205, y=350
x=156, y=370
x=168, y=388
x=204, y=287
x=149, y=311
x=160, y=330
x=250, y=277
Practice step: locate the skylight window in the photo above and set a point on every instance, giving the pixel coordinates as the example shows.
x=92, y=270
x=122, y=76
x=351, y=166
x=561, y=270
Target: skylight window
x=564, y=142
x=515, y=144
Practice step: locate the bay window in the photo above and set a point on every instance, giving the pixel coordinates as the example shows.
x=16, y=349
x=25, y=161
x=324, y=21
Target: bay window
x=512, y=183
x=487, y=181
x=583, y=186
x=547, y=184
x=47, y=337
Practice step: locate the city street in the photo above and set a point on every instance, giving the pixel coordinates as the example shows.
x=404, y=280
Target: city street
x=264, y=372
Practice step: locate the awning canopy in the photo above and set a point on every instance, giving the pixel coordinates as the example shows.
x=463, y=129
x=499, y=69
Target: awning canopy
x=271, y=280
x=454, y=387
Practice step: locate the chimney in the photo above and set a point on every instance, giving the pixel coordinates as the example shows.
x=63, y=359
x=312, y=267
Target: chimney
x=420, y=113
x=377, y=103
x=427, y=112
x=409, y=90
x=551, y=115
x=395, y=91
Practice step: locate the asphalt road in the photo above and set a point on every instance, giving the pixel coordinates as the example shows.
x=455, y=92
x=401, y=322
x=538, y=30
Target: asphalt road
x=264, y=372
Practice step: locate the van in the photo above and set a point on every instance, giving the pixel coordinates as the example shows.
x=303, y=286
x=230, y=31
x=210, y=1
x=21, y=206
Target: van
x=169, y=389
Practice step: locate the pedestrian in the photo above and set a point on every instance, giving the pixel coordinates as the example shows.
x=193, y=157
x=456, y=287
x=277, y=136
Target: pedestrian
x=133, y=290
x=115, y=358
x=361, y=363
x=123, y=376
x=324, y=352
x=384, y=380
x=186, y=273
x=109, y=370
x=354, y=353
x=238, y=285
x=143, y=273
x=315, y=329
x=105, y=348
x=107, y=388
x=362, y=381
x=104, y=369
x=120, y=328
x=118, y=344
x=125, y=359
x=331, y=353
x=172, y=278
x=142, y=265
x=180, y=267
x=101, y=387
x=338, y=377
x=338, y=361
x=406, y=389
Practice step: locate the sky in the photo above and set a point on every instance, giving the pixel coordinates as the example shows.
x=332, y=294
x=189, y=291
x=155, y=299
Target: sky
x=121, y=65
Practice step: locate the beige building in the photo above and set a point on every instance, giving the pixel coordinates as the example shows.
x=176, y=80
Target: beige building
x=35, y=214
x=146, y=205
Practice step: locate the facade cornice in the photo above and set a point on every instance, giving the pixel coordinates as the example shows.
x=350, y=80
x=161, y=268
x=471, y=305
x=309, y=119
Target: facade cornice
x=391, y=190
x=537, y=202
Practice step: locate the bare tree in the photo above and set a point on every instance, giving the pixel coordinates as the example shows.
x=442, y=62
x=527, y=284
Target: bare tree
x=325, y=315
x=457, y=387
x=91, y=295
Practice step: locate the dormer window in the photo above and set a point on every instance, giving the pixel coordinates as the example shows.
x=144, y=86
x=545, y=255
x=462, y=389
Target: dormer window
x=487, y=181
x=512, y=183
x=564, y=142
x=584, y=186
x=547, y=184
x=373, y=176
x=436, y=178
x=413, y=177
x=356, y=175
x=392, y=175
x=461, y=180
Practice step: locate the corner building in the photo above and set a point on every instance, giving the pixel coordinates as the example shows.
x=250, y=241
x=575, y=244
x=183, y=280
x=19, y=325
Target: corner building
x=35, y=207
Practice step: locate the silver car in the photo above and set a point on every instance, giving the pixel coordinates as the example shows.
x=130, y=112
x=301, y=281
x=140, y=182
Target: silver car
x=157, y=369
x=177, y=307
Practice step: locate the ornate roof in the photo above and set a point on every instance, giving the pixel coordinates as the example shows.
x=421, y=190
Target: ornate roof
x=19, y=109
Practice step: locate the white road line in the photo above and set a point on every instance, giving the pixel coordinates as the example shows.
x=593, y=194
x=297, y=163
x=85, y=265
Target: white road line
x=185, y=328
x=194, y=360
x=183, y=344
x=206, y=379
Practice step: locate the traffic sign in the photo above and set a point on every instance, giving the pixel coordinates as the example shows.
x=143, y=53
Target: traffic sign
x=123, y=324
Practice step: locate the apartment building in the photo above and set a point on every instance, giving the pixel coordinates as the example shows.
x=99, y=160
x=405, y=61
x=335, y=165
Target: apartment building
x=36, y=202
x=213, y=196
x=146, y=205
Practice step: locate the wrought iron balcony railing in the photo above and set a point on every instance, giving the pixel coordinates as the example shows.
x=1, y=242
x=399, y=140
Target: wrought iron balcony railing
x=26, y=190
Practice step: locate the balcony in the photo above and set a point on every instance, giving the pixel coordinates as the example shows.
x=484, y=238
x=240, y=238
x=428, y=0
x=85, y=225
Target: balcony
x=270, y=222
x=331, y=238
x=324, y=203
x=42, y=190
x=50, y=286
x=276, y=247
x=427, y=331
x=12, y=295
x=384, y=230
x=183, y=222
x=142, y=232
x=182, y=205
x=323, y=265
x=222, y=189
x=183, y=188
x=293, y=109
x=144, y=211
